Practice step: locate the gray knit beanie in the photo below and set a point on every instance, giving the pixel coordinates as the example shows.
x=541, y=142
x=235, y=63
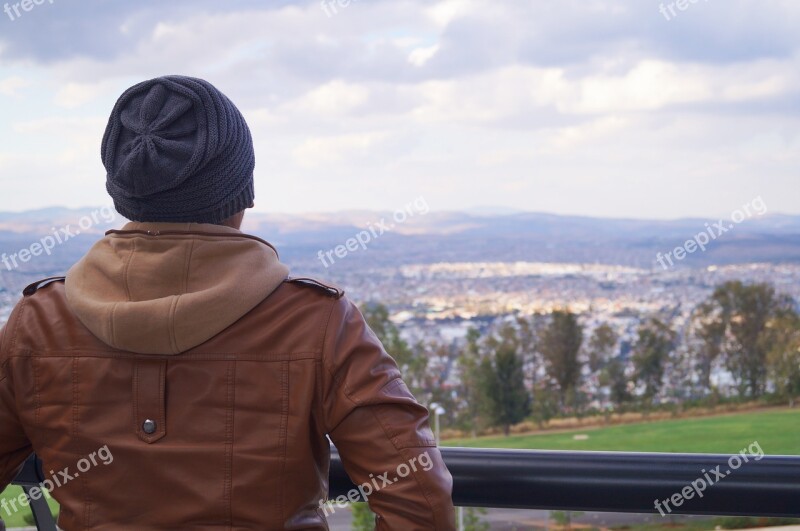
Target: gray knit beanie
x=177, y=149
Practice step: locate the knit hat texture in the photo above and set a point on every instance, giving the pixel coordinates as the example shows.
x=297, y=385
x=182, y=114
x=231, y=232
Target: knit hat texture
x=176, y=149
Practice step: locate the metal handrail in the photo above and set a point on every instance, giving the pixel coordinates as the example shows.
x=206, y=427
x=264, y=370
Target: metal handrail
x=31, y=476
x=584, y=481
x=613, y=481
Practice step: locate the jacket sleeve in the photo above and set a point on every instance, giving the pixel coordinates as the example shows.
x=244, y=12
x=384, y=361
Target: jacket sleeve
x=381, y=431
x=14, y=444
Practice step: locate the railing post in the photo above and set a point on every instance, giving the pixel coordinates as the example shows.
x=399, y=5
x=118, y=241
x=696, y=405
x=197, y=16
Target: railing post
x=30, y=476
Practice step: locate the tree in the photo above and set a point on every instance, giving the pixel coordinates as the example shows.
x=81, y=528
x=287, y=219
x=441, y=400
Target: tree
x=564, y=518
x=545, y=404
x=377, y=317
x=421, y=381
x=709, y=331
x=528, y=333
x=436, y=391
x=560, y=344
x=655, y=342
x=604, y=371
x=502, y=384
x=472, y=519
x=363, y=518
x=601, y=346
x=413, y=363
x=744, y=311
x=613, y=376
x=783, y=356
x=469, y=392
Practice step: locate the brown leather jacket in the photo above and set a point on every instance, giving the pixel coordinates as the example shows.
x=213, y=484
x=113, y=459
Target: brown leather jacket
x=178, y=380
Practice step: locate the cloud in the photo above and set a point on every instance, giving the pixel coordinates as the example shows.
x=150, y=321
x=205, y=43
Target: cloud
x=73, y=95
x=10, y=86
x=52, y=125
x=443, y=13
x=649, y=85
x=319, y=152
x=333, y=98
x=420, y=56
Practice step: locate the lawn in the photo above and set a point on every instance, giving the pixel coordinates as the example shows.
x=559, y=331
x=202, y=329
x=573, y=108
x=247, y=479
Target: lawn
x=17, y=518
x=777, y=432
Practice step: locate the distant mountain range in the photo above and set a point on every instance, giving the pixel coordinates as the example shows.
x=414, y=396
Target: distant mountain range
x=456, y=236
x=488, y=235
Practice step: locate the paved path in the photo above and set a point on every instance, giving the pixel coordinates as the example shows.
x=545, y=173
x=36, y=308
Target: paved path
x=519, y=520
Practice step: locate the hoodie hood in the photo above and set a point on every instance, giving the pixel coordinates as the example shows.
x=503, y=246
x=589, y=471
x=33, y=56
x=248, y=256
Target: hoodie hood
x=165, y=288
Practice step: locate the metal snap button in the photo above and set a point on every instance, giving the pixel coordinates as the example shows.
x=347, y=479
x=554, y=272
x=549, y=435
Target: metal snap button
x=149, y=426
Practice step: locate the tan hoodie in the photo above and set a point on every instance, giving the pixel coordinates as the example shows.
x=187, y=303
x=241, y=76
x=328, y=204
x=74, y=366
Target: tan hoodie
x=164, y=288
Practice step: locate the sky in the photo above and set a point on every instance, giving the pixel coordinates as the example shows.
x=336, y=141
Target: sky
x=626, y=108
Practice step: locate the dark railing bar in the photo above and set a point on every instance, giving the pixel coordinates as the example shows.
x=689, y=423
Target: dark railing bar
x=613, y=481
x=582, y=481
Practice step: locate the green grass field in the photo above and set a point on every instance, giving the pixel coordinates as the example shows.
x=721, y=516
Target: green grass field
x=777, y=432
x=17, y=518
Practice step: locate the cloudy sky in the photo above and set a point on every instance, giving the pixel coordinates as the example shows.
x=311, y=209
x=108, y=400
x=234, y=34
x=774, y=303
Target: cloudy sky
x=592, y=107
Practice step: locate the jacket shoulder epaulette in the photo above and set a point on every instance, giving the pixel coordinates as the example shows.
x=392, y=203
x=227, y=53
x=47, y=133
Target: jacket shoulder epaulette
x=30, y=289
x=328, y=288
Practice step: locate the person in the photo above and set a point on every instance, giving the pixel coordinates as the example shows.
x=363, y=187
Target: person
x=178, y=378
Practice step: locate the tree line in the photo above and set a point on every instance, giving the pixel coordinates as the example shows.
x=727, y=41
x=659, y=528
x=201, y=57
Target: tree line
x=541, y=366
